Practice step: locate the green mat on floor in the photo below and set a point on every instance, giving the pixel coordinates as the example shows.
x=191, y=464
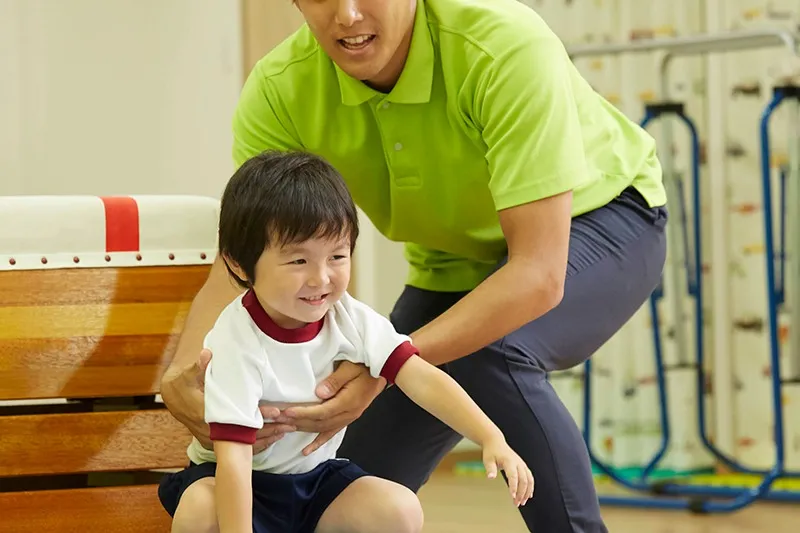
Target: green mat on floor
x=475, y=468
x=690, y=477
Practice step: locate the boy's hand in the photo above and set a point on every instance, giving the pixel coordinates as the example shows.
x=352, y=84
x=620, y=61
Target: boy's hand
x=346, y=394
x=497, y=454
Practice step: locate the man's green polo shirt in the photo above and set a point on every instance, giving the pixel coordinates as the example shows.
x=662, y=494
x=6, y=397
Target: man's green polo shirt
x=489, y=113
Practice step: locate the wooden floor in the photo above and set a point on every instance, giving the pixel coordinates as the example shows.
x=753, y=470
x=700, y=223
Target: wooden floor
x=473, y=505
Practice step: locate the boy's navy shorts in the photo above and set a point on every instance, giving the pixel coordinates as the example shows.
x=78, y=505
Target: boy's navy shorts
x=282, y=503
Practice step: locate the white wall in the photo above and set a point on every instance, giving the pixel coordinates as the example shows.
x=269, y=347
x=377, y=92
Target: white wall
x=122, y=97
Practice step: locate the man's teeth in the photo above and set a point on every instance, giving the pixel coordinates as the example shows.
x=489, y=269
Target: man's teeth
x=356, y=40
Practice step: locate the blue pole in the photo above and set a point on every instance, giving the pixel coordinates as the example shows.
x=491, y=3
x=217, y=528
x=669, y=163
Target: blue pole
x=743, y=498
x=739, y=498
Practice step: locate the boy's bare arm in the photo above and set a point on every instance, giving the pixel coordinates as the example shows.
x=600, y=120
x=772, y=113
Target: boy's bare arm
x=440, y=395
x=436, y=392
x=233, y=489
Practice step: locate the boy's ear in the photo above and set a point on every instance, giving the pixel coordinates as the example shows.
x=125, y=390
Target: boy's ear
x=234, y=267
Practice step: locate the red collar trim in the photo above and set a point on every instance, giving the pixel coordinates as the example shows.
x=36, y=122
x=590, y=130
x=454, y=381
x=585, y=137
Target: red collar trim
x=269, y=327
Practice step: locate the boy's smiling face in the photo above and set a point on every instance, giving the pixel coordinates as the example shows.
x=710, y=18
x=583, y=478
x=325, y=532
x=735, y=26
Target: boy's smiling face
x=298, y=283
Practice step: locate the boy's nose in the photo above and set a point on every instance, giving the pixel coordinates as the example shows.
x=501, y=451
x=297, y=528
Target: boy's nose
x=320, y=280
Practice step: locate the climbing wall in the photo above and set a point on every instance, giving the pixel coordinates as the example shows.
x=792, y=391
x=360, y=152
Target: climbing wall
x=625, y=408
x=749, y=78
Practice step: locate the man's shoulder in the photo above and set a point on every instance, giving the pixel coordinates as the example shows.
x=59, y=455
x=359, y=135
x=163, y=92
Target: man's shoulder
x=488, y=27
x=297, y=55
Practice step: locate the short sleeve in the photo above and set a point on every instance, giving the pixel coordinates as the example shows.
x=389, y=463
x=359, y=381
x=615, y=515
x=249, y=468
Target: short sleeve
x=259, y=121
x=529, y=120
x=234, y=380
x=378, y=345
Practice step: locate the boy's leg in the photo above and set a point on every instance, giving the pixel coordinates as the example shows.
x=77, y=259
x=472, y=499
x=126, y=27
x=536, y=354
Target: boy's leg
x=373, y=505
x=616, y=258
x=196, y=512
x=188, y=496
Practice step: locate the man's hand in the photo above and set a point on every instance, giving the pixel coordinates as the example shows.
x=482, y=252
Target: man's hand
x=347, y=393
x=272, y=432
x=182, y=392
x=189, y=386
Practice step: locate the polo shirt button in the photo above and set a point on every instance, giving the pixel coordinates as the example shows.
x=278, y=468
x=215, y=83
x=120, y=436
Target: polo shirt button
x=398, y=147
x=385, y=105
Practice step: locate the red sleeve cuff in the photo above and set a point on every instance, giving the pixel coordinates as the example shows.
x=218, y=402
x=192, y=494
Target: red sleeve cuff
x=232, y=432
x=396, y=360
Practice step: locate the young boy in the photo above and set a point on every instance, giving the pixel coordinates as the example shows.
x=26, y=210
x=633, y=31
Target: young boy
x=287, y=229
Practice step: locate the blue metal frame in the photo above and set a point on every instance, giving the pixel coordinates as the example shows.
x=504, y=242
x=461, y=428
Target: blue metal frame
x=699, y=495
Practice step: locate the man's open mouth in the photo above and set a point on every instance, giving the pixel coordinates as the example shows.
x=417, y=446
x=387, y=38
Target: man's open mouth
x=356, y=43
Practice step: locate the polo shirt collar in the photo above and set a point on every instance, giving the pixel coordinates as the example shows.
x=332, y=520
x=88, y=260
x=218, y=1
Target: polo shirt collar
x=414, y=85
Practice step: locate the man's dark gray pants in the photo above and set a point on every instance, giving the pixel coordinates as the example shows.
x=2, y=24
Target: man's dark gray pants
x=616, y=257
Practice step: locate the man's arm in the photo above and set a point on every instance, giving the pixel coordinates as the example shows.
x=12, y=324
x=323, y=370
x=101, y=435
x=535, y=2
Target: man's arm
x=529, y=285
x=183, y=382
x=181, y=385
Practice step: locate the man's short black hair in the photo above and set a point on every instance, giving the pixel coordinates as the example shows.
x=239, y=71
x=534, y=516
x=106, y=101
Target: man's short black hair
x=278, y=198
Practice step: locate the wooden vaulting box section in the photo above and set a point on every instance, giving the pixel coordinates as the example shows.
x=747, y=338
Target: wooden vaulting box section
x=110, y=332
x=85, y=335
x=94, y=293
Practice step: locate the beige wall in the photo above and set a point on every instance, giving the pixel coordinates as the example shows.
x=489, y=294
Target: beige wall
x=265, y=23
x=130, y=96
x=126, y=97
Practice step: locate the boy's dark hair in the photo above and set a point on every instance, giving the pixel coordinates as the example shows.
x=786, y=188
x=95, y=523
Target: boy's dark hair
x=279, y=198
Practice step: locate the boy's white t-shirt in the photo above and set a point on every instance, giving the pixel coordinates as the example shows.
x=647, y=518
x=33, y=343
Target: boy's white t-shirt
x=256, y=362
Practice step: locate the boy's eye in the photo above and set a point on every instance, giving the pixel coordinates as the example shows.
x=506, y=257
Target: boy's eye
x=298, y=262
x=338, y=257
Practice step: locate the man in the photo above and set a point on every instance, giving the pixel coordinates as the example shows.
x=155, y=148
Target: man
x=532, y=211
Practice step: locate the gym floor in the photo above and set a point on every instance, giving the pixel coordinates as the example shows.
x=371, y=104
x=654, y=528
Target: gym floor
x=456, y=504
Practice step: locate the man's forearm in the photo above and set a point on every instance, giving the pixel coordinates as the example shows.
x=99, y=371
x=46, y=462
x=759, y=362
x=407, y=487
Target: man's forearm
x=216, y=293
x=514, y=295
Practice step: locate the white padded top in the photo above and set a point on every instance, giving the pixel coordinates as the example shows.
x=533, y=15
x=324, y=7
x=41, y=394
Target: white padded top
x=45, y=232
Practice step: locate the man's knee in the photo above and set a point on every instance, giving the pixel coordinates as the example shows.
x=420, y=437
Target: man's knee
x=197, y=512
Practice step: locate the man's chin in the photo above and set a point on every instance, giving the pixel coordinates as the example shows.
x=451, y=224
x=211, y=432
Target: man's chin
x=361, y=72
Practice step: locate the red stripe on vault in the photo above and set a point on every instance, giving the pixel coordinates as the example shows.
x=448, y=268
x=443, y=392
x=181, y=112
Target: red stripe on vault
x=122, y=224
